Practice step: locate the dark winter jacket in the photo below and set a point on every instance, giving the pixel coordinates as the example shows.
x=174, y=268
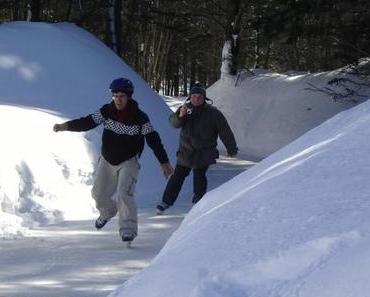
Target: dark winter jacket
x=199, y=133
x=124, y=132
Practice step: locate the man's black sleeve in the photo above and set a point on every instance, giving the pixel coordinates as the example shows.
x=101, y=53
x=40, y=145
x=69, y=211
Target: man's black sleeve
x=154, y=141
x=86, y=123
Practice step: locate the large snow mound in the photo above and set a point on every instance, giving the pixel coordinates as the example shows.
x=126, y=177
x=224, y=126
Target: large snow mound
x=294, y=225
x=51, y=73
x=269, y=110
x=42, y=178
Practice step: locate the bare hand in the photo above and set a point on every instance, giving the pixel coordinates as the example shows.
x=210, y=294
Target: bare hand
x=183, y=111
x=60, y=127
x=167, y=169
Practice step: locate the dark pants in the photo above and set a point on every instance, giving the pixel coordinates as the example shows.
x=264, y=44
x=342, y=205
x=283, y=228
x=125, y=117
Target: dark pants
x=177, y=179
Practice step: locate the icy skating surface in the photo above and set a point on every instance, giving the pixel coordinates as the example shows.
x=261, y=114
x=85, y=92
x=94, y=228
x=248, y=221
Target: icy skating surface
x=72, y=259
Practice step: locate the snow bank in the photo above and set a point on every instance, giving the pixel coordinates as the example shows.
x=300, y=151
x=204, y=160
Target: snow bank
x=45, y=177
x=50, y=73
x=269, y=110
x=294, y=225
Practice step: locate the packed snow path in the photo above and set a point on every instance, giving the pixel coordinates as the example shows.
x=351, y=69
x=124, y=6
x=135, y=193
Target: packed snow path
x=72, y=259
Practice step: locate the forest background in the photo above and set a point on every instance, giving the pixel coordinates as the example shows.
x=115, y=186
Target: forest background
x=174, y=43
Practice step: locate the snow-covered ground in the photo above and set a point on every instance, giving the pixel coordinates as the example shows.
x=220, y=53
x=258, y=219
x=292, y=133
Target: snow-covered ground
x=50, y=73
x=53, y=72
x=294, y=225
x=269, y=110
x=42, y=178
x=72, y=259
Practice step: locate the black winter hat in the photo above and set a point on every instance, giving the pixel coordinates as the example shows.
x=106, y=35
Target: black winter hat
x=198, y=88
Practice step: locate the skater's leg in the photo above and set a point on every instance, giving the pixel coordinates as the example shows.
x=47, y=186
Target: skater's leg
x=127, y=209
x=199, y=183
x=105, y=184
x=174, y=184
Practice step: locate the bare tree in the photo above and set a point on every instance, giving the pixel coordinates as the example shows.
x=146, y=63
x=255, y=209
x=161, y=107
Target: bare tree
x=231, y=46
x=34, y=11
x=114, y=25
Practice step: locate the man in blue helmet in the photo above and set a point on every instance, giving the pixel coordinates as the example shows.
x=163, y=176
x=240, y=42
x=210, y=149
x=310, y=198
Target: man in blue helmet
x=125, y=129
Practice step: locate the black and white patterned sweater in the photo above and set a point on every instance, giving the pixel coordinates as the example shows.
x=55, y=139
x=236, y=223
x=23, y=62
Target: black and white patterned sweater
x=123, y=138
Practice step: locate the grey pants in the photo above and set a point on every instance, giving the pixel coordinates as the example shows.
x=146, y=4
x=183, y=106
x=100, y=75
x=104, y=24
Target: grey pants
x=113, y=191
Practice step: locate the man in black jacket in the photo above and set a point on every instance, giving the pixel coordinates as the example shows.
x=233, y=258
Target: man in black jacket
x=125, y=129
x=201, y=124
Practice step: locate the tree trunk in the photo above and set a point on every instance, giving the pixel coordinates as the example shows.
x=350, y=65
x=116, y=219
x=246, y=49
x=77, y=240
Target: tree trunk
x=16, y=11
x=257, y=55
x=176, y=82
x=185, y=71
x=114, y=25
x=69, y=10
x=34, y=9
x=231, y=46
x=164, y=54
x=267, y=55
x=192, y=71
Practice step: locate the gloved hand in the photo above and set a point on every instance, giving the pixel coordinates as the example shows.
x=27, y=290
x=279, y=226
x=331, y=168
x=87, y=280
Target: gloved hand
x=60, y=127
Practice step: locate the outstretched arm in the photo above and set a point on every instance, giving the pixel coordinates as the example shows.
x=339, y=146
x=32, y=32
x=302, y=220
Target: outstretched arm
x=82, y=124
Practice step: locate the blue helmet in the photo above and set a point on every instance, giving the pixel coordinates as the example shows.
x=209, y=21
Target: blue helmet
x=122, y=85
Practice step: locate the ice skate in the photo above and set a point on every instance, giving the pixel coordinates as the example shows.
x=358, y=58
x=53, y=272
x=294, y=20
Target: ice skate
x=161, y=208
x=100, y=222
